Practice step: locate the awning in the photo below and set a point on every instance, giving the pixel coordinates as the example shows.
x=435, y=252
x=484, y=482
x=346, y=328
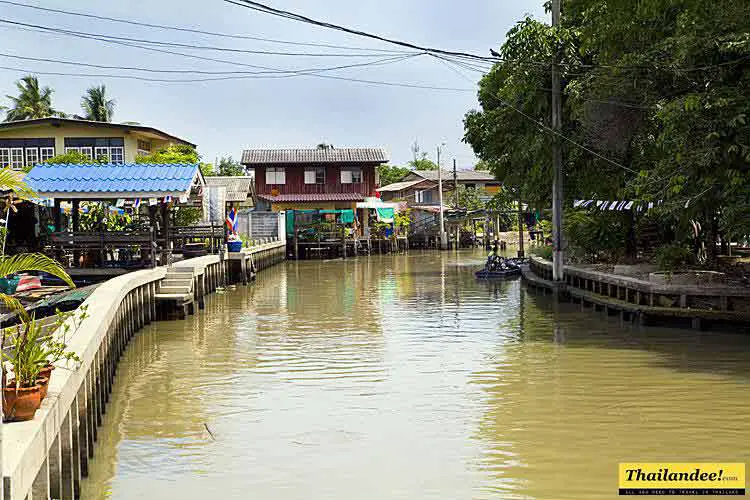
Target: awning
x=385, y=214
x=376, y=204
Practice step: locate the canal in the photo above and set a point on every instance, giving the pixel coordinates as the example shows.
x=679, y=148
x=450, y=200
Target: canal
x=404, y=377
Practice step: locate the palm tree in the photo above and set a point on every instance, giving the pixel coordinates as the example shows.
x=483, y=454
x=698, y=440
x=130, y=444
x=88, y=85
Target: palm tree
x=32, y=102
x=96, y=106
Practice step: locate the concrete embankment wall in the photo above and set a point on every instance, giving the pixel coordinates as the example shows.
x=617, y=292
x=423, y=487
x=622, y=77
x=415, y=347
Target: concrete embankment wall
x=645, y=302
x=48, y=456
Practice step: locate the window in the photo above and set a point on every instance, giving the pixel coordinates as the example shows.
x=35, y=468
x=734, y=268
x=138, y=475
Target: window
x=16, y=158
x=71, y=149
x=87, y=151
x=4, y=157
x=117, y=154
x=46, y=153
x=315, y=175
x=100, y=153
x=144, y=148
x=423, y=196
x=351, y=176
x=275, y=175
x=32, y=157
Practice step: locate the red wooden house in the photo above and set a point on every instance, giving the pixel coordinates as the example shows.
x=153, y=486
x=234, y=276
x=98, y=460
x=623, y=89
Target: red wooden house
x=305, y=179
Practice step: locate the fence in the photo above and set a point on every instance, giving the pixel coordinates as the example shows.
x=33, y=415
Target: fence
x=258, y=225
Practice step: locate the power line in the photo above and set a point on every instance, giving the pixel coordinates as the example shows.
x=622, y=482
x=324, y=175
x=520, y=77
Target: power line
x=194, y=30
x=257, y=6
x=239, y=77
x=564, y=137
x=84, y=34
x=237, y=63
x=387, y=60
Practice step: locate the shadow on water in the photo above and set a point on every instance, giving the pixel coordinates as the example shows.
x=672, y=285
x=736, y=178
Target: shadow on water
x=714, y=352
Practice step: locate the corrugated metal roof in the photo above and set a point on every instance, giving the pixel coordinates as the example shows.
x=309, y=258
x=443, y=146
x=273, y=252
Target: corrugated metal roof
x=330, y=155
x=112, y=178
x=314, y=197
x=461, y=175
x=239, y=188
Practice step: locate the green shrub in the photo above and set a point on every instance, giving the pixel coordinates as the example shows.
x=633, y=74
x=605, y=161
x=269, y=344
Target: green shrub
x=595, y=235
x=671, y=257
x=545, y=252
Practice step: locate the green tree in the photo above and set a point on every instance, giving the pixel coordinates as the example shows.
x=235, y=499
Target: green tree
x=31, y=102
x=229, y=167
x=75, y=157
x=389, y=174
x=423, y=163
x=180, y=153
x=482, y=166
x=96, y=106
x=174, y=153
x=467, y=198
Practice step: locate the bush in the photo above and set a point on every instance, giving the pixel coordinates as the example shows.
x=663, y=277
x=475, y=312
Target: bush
x=671, y=257
x=595, y=236
x=545, y=252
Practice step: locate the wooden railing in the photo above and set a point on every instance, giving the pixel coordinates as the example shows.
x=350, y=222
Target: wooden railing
x=104, y=248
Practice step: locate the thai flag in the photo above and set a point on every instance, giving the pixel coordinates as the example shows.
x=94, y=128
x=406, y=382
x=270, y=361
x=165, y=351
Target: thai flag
x=137, y=203
x=232, y=220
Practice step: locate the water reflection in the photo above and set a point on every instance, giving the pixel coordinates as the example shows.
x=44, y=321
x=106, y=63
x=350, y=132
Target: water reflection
x=404, y=377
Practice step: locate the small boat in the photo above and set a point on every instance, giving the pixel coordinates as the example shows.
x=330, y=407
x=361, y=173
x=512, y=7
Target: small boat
x=500, y=273
x=498, y=267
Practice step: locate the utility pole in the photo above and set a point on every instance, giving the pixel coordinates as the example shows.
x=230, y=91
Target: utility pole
x=443, y=242
x=557, y=182
x=521, y=252
x=455, y=185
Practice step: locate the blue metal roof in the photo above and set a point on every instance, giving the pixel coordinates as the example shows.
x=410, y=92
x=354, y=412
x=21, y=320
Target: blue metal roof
x=112, y=178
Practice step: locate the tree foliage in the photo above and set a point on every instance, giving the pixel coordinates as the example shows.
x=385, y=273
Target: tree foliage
x=389, y=174
x=658, y=87
x=96, y=106
x=32, y=101
x=75, y=157
x=177, y=153
x=423, y=163
x=229, y=167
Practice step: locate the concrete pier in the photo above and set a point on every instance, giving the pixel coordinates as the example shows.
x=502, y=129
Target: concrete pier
x=47, y=457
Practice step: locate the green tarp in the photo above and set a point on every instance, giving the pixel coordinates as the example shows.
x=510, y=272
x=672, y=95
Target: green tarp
x=347, y=216
x=385, y=214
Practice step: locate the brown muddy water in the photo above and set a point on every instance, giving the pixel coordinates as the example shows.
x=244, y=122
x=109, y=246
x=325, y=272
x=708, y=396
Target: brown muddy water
x=404, y=377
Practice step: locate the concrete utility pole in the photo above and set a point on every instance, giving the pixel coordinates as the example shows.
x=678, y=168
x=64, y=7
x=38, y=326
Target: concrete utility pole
x=557, y=182
x=455, y=185
x=443, y=239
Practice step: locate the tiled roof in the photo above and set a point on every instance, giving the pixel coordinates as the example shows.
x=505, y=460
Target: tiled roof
x=461, y=175
x=238, y=187
x=330, y=155
x=400, y=186
x=314, y=197
x=131, y=178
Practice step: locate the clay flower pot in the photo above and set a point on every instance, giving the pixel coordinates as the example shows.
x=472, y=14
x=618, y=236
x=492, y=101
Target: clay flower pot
x=21, y=404
x=45, y=373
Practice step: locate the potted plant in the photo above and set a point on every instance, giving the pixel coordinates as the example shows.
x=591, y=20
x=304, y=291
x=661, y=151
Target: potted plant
x=26, y=356
x=56, y=345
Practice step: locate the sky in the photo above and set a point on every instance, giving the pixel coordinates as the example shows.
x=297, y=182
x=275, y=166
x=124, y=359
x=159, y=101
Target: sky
x=224, y=117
